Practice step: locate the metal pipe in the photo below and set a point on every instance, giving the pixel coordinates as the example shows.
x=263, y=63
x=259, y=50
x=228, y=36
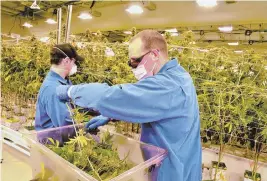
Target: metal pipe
x=59, y=14
x=68, y=23
x=10, y=10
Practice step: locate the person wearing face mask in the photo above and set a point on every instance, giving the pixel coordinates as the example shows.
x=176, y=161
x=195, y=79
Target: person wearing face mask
x=163, y=101
x=50, y=111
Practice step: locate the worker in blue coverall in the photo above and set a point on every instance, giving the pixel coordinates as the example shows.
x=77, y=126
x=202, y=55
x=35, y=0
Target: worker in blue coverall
x=164, y=101
x=50, y=111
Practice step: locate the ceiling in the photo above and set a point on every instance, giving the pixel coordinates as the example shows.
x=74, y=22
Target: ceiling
x=183, y=15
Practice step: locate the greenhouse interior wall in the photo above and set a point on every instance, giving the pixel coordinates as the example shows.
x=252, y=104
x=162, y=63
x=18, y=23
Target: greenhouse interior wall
x=228, y=68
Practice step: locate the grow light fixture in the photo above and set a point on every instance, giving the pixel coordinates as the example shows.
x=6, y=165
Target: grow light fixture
x=174, y=34
x=127, y=32
x=226, y=28
x=173, y=30
x=207, y=3
x=85, y=16
x=35, y=5
x=233, y=44
x=203, y=50
x=238, y=51
x=15, y=36
x=50, y=21
x=135, y=9
x=44, y=39
x=27, y=25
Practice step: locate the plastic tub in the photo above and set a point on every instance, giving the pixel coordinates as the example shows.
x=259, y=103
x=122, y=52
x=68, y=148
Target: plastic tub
x=144, y=158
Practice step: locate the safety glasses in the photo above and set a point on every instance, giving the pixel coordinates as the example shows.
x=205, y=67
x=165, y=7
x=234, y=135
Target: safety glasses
x=133, y=62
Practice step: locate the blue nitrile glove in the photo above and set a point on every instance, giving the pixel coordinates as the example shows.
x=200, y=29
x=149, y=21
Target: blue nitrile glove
x=96, y=122
x=62, y=92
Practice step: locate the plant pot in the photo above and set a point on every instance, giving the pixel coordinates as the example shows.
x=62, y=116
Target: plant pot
x=221, y=171
x=248, y=176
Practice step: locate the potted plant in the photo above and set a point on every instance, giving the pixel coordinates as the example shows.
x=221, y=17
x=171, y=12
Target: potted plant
x=250, y=176
x=218, y=171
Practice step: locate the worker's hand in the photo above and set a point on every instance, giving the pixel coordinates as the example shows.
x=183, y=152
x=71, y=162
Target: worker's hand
x=96, y=122
x=62, y=92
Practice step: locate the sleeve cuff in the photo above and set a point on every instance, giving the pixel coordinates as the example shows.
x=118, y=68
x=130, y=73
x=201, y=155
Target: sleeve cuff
x=62, y=92
x=69, y=91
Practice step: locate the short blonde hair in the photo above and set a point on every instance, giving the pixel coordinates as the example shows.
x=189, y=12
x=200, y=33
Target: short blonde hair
x=152, y=39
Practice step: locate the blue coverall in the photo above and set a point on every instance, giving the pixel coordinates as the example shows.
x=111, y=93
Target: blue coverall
x=166, y=106
x=50, y=111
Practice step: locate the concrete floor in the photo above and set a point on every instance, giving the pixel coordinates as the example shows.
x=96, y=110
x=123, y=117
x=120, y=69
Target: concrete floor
x=15, y=166
x=235, y=165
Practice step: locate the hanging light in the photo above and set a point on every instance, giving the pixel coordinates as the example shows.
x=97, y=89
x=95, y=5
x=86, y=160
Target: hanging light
x=44, y=39
x=27, y=25
x=173, y=30
x=85, y=16
x=174, y=34
x=207, y=3
x=50, y=21
x=135, y=9
x=35, y=5
x=127, y=32
x=203, y=50
x=226, y=28
x=15, y=36
x=238, y=51
x=233, y=43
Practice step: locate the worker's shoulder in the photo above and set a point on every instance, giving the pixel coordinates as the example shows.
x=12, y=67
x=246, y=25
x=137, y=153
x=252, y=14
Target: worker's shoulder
x=175, y=77
x=48, y=89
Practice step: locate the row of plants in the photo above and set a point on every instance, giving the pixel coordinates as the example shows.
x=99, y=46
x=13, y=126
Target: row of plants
x=231, y=87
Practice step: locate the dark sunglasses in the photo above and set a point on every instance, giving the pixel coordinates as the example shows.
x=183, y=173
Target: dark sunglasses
x=136, y=61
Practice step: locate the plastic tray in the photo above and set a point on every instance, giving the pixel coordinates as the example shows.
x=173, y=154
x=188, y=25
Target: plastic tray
x=141, y=155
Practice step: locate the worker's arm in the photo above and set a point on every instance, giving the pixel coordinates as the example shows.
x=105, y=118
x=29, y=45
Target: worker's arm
x=56, y=109
x=145, y=101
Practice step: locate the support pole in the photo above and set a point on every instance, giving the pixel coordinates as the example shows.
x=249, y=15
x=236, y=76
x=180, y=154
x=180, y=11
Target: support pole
x=59, y=14
x=68, y=23
x=1, y=144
